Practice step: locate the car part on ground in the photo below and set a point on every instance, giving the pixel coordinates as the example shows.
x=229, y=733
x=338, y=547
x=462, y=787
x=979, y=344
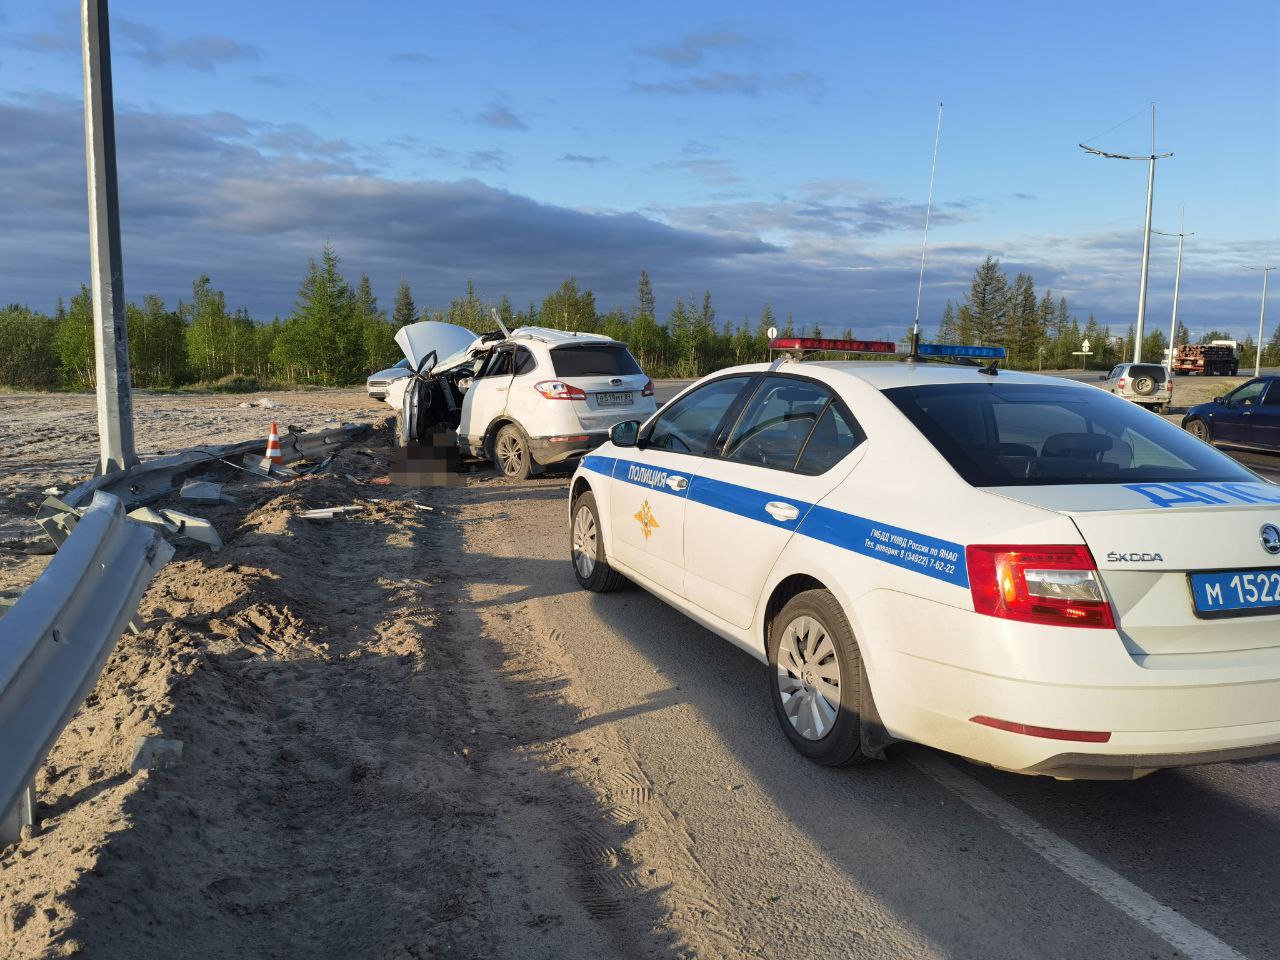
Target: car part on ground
x=58, y=636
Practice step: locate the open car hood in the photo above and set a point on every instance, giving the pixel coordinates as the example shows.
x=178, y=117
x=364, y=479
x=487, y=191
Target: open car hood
x=452, y=344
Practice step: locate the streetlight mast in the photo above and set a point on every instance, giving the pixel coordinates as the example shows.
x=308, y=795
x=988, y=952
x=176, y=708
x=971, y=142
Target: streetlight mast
x=1177, y=280
x=1262, y=319
x=1146, y=235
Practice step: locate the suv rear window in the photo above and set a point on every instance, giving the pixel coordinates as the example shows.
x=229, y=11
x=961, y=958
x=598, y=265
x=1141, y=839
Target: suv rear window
x=1020, y=434
x=593, y=361
x=1153, y=370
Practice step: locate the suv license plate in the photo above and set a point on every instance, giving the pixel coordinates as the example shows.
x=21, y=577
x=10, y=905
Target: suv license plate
x=622, y=399
x=1236, y=593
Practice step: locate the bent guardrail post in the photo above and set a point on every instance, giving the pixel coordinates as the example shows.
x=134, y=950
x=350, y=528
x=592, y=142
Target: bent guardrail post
x=56, y=638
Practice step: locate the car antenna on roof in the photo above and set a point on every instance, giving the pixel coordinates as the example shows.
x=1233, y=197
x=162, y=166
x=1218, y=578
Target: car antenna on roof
x=924, y=247
x=498, y=320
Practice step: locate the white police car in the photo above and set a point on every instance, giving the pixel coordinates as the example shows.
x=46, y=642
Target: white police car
x=1018, y=569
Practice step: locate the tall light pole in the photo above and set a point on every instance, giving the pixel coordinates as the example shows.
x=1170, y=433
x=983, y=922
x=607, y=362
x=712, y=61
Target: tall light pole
x=1262, y=319
x=1177, y=280
x=106, y=271
x=1151, y=158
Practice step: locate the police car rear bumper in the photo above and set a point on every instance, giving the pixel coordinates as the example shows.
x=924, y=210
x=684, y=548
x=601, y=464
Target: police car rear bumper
x=1058, y=687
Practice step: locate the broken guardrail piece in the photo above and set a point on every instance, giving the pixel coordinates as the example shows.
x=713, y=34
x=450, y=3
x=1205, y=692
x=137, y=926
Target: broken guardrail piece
x=58, y=635
x=329, y=513
x=173, y=523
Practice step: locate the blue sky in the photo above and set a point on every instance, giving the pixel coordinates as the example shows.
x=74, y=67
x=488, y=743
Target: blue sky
x=766, y=153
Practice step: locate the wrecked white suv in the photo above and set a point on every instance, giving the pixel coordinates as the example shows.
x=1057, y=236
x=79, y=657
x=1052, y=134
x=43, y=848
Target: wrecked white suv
x=523, y=399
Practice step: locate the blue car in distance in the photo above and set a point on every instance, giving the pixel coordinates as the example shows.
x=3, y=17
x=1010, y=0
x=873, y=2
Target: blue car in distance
x=1248, y=416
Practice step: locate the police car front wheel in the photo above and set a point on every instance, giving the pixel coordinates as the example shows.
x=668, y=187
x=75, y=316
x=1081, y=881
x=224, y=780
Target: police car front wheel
x=586, y=549
x=815, y=678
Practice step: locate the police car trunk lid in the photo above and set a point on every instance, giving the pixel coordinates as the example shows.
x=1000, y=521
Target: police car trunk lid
x=1148, y=538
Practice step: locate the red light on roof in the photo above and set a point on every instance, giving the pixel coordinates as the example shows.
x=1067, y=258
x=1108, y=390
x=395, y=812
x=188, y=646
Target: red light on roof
x=835, y=346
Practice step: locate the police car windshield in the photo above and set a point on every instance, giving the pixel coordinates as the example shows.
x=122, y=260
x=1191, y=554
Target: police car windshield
x=1017, y=434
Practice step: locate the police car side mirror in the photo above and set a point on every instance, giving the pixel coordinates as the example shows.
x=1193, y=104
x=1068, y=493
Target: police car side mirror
x=624, y=434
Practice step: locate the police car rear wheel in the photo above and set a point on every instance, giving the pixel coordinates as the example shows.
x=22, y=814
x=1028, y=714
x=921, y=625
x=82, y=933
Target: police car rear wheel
x=586, y=549
x=815, y=678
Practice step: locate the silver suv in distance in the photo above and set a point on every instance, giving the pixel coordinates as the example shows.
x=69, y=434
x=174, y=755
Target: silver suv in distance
x=1148, y=384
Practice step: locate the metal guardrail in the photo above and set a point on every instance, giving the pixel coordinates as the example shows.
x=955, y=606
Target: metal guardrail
x=152, y=479
x=56, y=638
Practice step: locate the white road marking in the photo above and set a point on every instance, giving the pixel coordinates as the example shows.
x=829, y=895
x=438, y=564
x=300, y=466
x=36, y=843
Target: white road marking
x=1168, y=924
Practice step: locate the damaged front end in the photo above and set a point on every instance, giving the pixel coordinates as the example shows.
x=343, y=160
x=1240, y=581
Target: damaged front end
x=444, y=358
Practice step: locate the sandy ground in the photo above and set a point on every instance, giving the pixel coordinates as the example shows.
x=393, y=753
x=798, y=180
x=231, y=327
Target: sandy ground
x=380, y=760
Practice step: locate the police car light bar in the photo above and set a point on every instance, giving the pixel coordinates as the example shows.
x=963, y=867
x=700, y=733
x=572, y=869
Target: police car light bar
x=953, y=350
x=833, y=346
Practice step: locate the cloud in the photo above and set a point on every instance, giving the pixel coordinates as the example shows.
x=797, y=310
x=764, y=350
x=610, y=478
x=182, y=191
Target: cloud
x=277, y=80
x=249, y=202
x=697, y=47
x=133, y=39
x=421, y=59
x=734, y=84
x=712, y=172
x=202, y=52
x=585, y=160
x=499, y=117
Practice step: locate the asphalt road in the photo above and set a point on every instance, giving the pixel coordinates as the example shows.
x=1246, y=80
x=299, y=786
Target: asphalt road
x=921, y=855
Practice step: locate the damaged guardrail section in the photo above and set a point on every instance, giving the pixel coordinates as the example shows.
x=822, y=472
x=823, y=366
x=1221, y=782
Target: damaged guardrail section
x=56, y=638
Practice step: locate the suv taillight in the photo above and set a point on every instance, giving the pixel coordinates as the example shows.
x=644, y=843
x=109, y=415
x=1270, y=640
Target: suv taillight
x=648, y=389
x=559, y=390
x=1120, y=384
x=1056, y=585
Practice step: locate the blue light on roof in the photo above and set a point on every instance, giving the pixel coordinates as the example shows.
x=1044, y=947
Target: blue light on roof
x=954, y=350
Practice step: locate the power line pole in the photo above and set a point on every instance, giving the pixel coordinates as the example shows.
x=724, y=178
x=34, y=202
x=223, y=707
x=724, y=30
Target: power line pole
x=1146, y=234
x=1262, y=319
x=110, y=334
x=1177, y=280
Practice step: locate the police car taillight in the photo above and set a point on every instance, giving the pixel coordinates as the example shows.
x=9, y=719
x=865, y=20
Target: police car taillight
x=1056, y=585
x=559, y=390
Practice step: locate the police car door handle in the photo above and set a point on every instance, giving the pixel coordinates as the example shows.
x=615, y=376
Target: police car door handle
x=781, y=511
x=677, y=483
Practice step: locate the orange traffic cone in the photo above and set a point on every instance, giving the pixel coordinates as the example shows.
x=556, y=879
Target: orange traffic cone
x=273, y=446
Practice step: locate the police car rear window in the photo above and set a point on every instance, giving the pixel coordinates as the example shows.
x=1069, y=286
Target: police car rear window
x=593, y=362
x=1015, y=434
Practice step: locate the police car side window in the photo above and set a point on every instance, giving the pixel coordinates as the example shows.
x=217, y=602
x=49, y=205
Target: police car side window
x=775, y=425
x=690, y=423
x=834, y=438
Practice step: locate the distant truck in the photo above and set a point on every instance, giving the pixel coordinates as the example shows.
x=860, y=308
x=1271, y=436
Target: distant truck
x=1221, y=358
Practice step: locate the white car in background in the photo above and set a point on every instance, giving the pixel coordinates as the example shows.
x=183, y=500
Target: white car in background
x=524, y=399
x=378, y=383
x=1021, y=570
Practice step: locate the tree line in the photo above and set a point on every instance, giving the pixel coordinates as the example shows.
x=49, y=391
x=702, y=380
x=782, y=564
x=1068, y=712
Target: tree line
x=337, y=334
